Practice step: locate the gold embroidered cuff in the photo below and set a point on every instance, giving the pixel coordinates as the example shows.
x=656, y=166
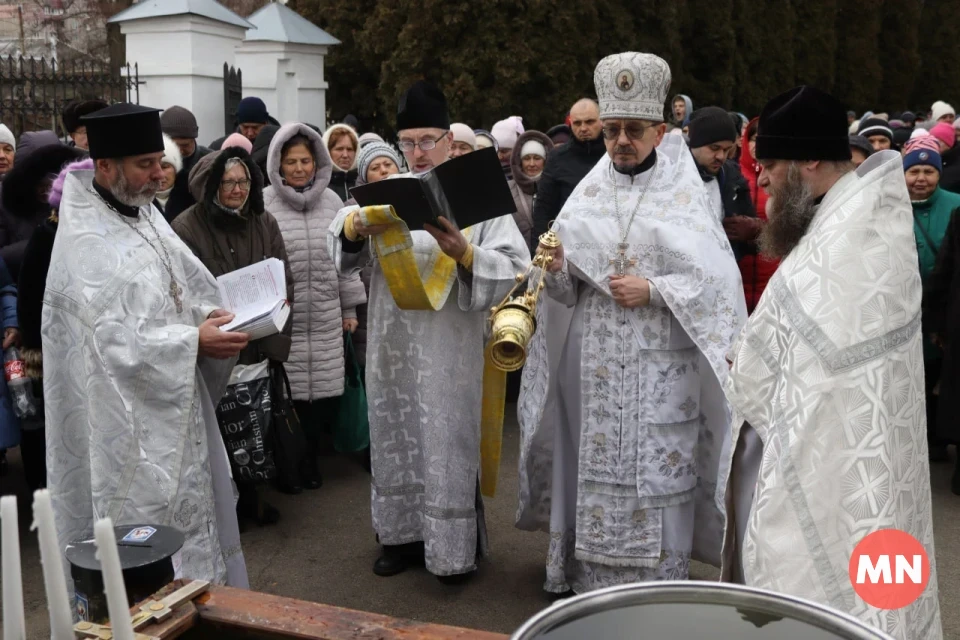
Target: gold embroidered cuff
x=466, y=260
x=348, y=229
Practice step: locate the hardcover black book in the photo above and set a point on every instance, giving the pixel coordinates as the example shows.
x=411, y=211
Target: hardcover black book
x=466, y=191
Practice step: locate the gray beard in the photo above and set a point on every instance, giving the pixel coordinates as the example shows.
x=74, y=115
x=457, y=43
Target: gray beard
x=790, y=210
x=125, y=194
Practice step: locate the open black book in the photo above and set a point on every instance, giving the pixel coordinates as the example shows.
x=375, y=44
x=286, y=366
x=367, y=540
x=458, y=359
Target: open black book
x=466, y=191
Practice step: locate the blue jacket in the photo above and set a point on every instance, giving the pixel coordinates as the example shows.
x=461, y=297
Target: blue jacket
x=9, y=424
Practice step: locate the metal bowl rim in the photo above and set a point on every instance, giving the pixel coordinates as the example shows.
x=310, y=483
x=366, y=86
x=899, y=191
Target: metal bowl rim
x=682, y=592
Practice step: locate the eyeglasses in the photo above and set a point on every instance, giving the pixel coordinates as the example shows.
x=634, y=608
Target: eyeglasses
x=429, y=144
x=633, y=131
x=230, y=185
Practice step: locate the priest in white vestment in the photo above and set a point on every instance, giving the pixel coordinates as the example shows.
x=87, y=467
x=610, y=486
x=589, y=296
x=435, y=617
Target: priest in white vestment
x=425, y=368
x=827, y=379
x=134, y=359
x=623, y=415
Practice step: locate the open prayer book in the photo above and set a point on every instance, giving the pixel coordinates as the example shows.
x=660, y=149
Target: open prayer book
x=466, y=191
x=257, y=296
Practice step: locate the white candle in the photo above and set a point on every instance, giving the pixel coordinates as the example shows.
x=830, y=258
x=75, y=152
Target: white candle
x=14, y=623
x=54, y=579
x=117, y=604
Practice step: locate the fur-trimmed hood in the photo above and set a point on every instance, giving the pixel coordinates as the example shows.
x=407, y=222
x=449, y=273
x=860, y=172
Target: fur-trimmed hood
x=352, y=133
x=301, y=201
x=526, y=183
x=20, y=185
x=206, y=175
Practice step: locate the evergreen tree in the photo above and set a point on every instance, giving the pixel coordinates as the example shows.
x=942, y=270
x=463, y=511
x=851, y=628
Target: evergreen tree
x=709, y=42
x=936, y=76
x=815, y=43
x=858, y=54
x=763, y=66
x=900, y=54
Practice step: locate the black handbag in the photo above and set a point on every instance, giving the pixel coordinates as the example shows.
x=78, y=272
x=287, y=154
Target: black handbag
x=290, y=444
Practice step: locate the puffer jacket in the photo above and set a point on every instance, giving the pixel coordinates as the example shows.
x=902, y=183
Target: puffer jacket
x=225, y=242
x=323, y=298
x=523, y=188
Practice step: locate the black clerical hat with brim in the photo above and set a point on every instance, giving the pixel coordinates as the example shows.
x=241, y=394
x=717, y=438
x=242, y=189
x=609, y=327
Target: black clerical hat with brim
x=803, y=123
x=423, y=106
x=123, y=130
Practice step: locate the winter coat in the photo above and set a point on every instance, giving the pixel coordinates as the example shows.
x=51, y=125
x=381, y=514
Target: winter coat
x=342, y=181
x=9, y=424
x=565, y=168
x=33, y=283
x=180, y=198
x=950, y=174
x=39, y=154
x=755, y=270
x=324, y=299
x=734, y=199
x=225, y=242
x=941, y=315
x=523, y=188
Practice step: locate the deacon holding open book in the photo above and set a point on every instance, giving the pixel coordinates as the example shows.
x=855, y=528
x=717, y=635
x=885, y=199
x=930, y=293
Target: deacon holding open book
x=430, y=296
x=134, y=359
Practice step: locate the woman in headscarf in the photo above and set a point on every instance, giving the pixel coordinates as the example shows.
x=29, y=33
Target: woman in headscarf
x=342, y=145
x=299, y=170
x=228, y=229
x=171, y=163
x=8, y=149
x=529, y=157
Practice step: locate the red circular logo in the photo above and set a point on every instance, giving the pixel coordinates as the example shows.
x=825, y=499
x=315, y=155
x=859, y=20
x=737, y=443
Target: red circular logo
x=889, y=569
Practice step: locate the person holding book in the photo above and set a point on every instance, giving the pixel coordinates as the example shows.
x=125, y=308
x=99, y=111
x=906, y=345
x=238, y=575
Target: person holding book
x=425, y=361
x=299, y=169
x=228, y=229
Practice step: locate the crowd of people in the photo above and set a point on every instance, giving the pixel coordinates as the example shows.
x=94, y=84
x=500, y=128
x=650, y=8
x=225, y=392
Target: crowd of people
x=743, y=351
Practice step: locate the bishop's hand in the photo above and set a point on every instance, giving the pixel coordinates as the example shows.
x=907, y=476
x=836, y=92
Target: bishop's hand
x=218, y=344
x=556, y=253
x=630, y=291
x=451, y=241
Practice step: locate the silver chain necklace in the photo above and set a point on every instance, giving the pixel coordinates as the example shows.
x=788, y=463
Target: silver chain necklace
x=620, y=261
x=174, y=288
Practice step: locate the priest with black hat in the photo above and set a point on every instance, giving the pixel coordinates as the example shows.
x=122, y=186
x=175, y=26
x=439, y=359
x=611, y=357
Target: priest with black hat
x=134, y=358
x=425, y=362
x=828, y=441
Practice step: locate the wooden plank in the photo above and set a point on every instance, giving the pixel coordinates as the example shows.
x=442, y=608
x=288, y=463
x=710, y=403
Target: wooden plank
x=275, y=616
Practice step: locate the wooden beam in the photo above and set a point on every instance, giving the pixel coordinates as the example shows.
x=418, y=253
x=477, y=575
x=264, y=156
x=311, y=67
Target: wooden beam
x=274, y=616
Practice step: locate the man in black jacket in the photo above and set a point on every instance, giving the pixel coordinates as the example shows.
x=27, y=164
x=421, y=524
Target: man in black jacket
x=567, y=165
x=712, y=136
x=181, y=125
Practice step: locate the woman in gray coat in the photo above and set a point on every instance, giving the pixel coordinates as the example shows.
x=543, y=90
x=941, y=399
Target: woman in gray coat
x=299, y=170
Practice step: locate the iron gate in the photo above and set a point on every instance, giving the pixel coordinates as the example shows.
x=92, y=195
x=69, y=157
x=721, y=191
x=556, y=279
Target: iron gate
x=34, y=91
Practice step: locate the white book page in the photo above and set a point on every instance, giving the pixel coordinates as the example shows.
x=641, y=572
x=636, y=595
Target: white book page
x=261, y=284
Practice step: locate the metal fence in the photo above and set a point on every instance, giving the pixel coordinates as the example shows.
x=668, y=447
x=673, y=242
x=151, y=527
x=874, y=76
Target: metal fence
x=232, y=95
x=34, y=91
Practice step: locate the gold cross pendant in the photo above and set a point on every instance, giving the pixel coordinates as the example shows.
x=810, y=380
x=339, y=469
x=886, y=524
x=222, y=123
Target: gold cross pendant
x=620, y=262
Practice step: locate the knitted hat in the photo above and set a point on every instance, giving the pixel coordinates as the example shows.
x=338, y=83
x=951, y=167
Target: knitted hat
x=178, y=122
x=371, y=152
x=709, y=125
x=238, y=140
x=533, y=148
x=423, y=106
x=76, y=110
x=463, y=133
x=6, y=136
x=803, y=123
x=908, y=116
x=945, y=133
x=369, y=137
x=919, y=133
x=922, y=150
x=507, y=131
x=875, y=127
x=484, y=139
x=940, y=109
x=861, y=144
x=252, y=110
x=171, y=154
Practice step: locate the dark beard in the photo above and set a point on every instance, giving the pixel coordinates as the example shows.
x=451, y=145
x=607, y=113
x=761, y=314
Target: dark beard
x=790, y=210
x=122, y=191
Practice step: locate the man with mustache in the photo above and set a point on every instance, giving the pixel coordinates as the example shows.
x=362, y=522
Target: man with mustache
x=828, y=441
x=134, y=358
x=622, y=410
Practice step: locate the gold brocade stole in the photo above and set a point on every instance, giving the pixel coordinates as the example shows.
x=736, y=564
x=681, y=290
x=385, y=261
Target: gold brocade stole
x=394, y=250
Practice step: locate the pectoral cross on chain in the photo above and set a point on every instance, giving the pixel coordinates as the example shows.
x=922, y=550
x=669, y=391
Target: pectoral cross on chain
x=621, y=262
x=175, y=292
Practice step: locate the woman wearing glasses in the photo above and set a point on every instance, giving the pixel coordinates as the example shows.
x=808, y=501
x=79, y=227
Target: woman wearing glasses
x=228, y=229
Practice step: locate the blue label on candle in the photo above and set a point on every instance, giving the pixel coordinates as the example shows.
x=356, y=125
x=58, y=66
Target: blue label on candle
x=140, y=534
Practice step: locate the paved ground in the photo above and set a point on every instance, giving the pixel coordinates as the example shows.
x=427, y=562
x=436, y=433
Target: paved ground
x=323, y=551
